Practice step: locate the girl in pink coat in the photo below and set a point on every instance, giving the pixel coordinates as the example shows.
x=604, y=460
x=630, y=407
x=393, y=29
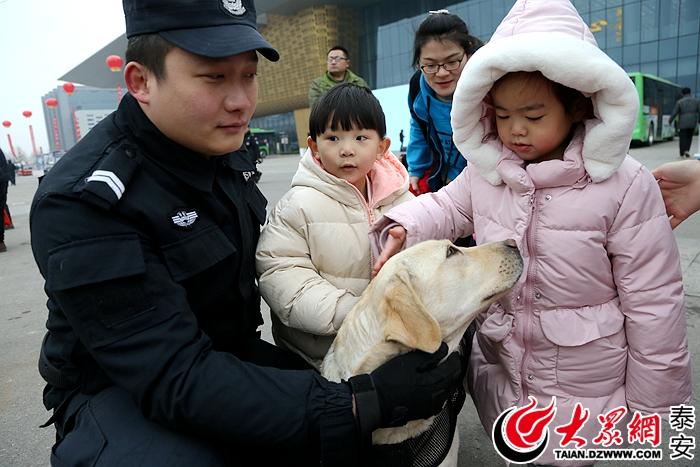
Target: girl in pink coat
x=544, y=118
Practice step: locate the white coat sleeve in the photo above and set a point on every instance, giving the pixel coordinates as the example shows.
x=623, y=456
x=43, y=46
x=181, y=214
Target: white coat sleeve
x=289, y=281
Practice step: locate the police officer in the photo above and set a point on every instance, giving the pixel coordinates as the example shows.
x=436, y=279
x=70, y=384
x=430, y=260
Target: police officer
x=145, y=233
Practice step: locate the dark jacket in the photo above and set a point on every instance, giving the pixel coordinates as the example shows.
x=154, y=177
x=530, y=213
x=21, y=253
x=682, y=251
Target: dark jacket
x=7, y=169
x=687, y=109
x=148, y=254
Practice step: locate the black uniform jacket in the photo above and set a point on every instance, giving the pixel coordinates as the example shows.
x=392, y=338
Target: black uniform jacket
x=148, y=254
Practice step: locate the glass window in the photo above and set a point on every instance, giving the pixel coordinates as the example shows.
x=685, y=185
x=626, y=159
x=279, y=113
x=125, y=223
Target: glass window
x=669, y=18
x=586, y=17
x=668, y=49
x=615, y=53
x=687, y=65
x=632, y=23
x=630, y=54
x=633, y=67
x=485, y=15
x=649, y=92
x=500, y=10
x=650, y=68
x=398, y=67
x=614, y=28
x=599, y=25
x=380, y=74
x=394, y=42
x=667, y=69
x=582, y=5
x=614, y=2
x=650, y=51
x=689, y=16
x=597, y=4
x=688, y=45
x=687, y=81
x=650, y=20
x=472, y=19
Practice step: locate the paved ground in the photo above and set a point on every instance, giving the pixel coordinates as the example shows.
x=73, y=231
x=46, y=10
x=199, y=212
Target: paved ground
x=23, y=314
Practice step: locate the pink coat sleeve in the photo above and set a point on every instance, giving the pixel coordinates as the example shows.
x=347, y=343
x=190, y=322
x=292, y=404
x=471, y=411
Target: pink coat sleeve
x=647, y=273
x=444, y=214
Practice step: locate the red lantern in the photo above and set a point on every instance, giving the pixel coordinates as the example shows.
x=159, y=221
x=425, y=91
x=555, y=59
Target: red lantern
x=51, y=102
x=7, y=124
x=69, y=88
x=114, y=62
x=27, y=113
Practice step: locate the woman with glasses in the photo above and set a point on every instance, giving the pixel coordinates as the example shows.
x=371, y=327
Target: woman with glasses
x=442, y=46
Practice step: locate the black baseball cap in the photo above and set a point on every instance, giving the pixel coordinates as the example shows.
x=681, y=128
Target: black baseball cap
x=211, y=28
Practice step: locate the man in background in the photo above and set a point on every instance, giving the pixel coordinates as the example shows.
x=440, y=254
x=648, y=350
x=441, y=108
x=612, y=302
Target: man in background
x=337, y=72
x=687, y=110
x=6, y=174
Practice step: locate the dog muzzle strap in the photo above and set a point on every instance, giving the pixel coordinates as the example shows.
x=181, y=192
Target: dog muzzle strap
x=366, y=405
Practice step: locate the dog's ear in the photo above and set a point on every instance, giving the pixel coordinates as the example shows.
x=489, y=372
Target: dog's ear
x=407, y=320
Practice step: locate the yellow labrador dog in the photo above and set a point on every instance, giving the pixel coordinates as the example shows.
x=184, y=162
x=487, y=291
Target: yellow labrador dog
x=424, y=295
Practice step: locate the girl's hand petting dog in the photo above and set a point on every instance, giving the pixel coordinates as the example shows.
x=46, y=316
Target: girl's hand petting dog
x=394, y=244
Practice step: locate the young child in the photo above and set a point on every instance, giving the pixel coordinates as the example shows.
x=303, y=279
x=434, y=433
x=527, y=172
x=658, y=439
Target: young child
x=313, y=256
x=597, y=316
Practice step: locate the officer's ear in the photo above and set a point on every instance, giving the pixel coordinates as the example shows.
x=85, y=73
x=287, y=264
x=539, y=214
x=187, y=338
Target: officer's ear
x=138, y=78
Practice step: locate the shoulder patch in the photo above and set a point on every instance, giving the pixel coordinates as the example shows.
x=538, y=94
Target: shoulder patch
x=110, y=179
x=107, y=183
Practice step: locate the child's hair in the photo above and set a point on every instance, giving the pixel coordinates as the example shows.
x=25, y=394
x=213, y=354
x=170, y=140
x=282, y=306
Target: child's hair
x=346, y=106
x=575, y=104
x=443, y=26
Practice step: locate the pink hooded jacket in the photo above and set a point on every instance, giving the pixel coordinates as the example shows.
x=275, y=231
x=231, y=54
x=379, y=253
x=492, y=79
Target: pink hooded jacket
x=598, y=315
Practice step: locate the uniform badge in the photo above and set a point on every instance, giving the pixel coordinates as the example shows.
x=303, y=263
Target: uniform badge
x=184, y=217
x=248, y=175
x=235, y=7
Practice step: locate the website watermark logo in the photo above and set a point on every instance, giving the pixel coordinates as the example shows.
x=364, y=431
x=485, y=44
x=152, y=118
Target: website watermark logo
x=521, y=435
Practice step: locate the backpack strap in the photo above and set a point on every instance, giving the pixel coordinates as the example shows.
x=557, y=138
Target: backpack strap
x=413, y=91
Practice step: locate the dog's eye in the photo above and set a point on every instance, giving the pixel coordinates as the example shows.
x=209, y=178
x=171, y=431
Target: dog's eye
x=452, y=250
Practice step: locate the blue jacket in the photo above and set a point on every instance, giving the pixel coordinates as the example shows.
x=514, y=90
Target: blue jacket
x=436, y=115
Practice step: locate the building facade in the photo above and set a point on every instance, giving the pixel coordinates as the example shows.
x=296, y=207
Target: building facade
x=76, y=114
x=659, y=37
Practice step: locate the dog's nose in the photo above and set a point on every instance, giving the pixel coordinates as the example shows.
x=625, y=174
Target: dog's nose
x=511, y=243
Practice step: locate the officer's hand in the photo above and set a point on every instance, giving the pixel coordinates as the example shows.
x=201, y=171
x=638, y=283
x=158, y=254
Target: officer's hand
x=409, y=387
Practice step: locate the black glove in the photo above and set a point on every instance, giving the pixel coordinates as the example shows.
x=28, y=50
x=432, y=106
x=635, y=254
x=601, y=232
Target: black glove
x=409, y=387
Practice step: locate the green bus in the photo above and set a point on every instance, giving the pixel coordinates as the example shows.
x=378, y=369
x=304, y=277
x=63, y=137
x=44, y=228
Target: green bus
x=657, y=97
x=265, y=139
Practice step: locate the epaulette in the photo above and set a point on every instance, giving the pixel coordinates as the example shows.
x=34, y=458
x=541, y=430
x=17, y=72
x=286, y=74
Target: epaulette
x=108, y=181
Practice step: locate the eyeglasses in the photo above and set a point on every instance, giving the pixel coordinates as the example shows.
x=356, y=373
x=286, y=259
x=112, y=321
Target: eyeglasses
x=335, y=59
x=447, y=66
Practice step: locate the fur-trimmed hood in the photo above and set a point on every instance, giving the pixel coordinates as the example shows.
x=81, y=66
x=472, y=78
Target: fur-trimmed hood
x=547, y=36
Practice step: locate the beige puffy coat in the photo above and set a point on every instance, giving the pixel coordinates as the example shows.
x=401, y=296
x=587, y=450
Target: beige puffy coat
x=313, y=257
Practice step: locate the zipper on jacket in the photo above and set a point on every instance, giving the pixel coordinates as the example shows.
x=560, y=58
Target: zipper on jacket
x=370, y=219
x=528, y=296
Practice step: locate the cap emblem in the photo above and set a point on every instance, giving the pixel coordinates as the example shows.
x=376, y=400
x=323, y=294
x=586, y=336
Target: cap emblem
x=235, y=7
